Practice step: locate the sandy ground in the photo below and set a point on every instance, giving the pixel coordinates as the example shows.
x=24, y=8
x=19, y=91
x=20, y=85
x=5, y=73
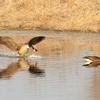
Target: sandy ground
x=63, y=15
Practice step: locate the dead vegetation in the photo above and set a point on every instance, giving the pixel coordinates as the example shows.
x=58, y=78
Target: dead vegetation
x=79, y=15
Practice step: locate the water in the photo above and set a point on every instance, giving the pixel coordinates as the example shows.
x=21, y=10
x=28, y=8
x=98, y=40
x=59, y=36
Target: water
x=64, y=77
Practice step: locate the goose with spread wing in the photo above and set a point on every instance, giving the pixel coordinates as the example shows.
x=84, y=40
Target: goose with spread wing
x=21, y=49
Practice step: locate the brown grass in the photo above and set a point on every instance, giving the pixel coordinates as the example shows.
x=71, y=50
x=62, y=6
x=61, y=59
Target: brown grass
x=79, y=15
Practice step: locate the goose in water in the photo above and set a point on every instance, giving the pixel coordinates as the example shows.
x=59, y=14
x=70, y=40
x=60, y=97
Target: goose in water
x=21, y=49
x=92, y=58
x=92, y=61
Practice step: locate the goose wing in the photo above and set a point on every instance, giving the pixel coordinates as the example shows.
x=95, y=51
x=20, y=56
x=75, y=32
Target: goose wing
x=9, y=42
x=36, y=40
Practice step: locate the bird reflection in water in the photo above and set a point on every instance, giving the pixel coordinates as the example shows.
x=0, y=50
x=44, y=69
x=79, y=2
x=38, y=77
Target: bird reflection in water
x=92, y=61
x=21, y=64
x=35, y=70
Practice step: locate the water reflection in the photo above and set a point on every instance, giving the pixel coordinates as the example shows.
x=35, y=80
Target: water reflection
x=92, y=64
x=35, y=70
x=22, y=64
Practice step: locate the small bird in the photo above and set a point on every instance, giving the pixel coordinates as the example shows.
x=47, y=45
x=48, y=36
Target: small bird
x=21, y=49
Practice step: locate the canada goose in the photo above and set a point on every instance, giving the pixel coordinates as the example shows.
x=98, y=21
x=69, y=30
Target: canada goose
x=21, y=49
x=92, y=61
x=92, y=58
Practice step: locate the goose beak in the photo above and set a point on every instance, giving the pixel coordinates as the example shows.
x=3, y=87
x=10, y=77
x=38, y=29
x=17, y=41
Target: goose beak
x=35, y=50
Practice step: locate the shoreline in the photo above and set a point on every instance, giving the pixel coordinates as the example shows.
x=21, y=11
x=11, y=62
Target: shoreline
x=52, y=31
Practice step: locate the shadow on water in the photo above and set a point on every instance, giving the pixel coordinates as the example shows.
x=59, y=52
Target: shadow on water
x=21, y=65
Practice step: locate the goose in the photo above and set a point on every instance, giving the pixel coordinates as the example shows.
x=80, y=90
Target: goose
x=92, y=61
x=92, y=58
x=21, y=49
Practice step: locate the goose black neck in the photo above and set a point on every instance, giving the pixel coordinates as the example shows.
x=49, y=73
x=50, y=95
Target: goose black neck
x=30, y=45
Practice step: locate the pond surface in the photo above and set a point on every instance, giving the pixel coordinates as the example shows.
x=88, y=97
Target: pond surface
x=62, y=75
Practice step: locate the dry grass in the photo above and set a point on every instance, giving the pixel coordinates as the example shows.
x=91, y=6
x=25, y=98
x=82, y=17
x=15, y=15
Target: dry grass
x=79, y=15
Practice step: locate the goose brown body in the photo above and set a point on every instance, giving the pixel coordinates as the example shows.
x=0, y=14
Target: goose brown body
x=23, y=50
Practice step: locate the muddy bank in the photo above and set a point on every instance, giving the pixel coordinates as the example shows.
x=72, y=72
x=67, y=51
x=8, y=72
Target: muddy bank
x=63, y=15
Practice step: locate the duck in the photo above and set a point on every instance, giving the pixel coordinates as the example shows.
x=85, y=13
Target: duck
x=21, y=49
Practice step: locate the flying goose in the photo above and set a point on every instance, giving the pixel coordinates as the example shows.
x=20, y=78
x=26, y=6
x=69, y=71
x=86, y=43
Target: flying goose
x=21, y=49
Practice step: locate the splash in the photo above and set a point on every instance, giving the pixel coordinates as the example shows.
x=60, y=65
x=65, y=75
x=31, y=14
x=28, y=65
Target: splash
x=15, y=55
x=34, y=56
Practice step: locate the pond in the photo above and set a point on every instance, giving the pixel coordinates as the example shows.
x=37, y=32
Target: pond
x=57, y=70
